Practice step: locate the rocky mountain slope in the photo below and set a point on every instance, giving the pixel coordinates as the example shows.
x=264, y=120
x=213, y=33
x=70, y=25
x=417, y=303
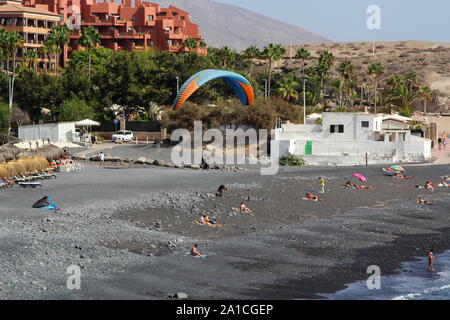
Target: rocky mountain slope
x=223, y=24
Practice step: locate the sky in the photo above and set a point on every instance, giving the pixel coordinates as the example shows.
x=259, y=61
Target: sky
x=346, y=20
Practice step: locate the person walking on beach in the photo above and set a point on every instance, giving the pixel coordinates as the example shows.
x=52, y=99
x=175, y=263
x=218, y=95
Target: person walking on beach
x=322, y=184
x=102, y=159
x=431, y=261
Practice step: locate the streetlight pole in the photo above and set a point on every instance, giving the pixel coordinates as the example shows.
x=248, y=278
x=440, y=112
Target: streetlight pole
x=178, y=85
x=304, y=101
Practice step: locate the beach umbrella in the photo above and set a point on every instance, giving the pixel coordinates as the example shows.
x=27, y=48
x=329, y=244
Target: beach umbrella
x=360, y=176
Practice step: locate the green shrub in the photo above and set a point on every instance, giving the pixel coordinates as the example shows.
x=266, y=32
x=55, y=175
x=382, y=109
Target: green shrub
x=99, y=137
x=291, y=161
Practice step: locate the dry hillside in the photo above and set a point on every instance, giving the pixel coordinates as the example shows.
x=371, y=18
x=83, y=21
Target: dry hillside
x=430, y=61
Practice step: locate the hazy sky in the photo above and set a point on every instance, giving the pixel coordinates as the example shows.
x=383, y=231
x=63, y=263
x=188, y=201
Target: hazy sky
x=345, y=20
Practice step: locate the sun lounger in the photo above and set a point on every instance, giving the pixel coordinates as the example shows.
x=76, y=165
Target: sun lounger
x=33, y=185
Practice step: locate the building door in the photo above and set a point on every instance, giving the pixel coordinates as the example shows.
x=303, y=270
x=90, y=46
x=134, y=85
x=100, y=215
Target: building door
x=308, y=148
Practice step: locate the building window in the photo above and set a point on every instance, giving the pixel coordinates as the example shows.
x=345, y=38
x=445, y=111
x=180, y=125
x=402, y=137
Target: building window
x=337, y=128
x=365, y=124
x=150, y=18
x=133, y=18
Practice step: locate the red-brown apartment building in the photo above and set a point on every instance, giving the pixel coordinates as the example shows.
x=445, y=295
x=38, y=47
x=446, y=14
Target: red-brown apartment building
x=122, y=24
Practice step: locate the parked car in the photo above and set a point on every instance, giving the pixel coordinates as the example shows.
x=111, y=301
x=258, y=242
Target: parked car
x=123, y=135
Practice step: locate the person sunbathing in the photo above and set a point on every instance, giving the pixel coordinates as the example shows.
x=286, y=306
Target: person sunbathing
x=243, y=208
x=446, y=178
x=444, y=184
x=350, y=185
x=207, y=221
x=361, y=187
x=430, y=185
x=310, y=196
x=402, y=176
x=195, y=251
x=221, y=191
x=421, y=201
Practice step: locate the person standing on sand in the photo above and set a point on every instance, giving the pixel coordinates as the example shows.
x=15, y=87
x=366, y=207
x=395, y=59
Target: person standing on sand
x=322, y=184
x=102, y=159
x=431, y=261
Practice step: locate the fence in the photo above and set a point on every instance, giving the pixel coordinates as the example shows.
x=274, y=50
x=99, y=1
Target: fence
x=139, y=126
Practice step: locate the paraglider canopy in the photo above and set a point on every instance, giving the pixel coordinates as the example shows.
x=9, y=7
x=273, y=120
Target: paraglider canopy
x=240, y=84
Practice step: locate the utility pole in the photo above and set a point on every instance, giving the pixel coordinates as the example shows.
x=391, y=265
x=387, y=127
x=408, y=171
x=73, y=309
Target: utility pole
x=178, y=85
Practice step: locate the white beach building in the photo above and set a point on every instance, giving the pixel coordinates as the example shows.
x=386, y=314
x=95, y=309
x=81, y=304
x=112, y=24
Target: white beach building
x=56, y=132
x=352, y=139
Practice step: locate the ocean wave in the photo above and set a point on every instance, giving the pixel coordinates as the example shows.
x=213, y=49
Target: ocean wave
x=425, y=293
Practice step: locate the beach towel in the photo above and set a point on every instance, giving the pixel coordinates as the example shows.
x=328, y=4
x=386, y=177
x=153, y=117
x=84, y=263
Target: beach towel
x=45, y=203
x=200, y=257
x=205, y=224
x=349, y=188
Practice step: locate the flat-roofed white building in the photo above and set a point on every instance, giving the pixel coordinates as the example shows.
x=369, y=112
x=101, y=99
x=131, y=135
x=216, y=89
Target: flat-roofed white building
x=56, y=132
x=348, y=138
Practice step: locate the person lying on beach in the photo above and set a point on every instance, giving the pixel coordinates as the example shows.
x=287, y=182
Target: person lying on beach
x=421, y=201
x=350, y=185
x=243, y=208
x=430, y=185
x=361, y=187
x=402, y=176
x=221, y=191
x=446, y=178
x=195, y=251
x=444, y=184
x=207, y=221
x=310, y=196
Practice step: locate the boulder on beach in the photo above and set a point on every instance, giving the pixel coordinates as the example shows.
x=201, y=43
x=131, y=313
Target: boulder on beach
x=141, y=160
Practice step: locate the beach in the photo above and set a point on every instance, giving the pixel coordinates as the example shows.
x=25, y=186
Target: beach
x=129, y=229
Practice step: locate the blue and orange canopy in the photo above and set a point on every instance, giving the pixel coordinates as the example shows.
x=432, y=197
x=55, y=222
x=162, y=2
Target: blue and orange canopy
x=241, y=86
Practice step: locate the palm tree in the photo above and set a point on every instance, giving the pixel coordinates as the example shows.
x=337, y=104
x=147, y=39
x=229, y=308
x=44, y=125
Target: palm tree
x=50, y=49
x=411, y=79
x=426, y=94
x=89, y=38
x=252, y=53
x=327, y=58
x=3, y=47
x=190, y=43
x=272, y=52
x=304, y=55
x=395, y=82
x=347, y=70
x=13, y=41
x=30, y=59
x=403, y=97
x=288, y=86
x=375, y=70
x=227, y=55
x=60, y=36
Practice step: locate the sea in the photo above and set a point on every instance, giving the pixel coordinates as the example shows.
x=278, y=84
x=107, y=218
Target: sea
x=413, y=282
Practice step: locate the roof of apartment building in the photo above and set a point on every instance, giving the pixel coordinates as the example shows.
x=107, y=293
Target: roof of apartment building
x=14, y=8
